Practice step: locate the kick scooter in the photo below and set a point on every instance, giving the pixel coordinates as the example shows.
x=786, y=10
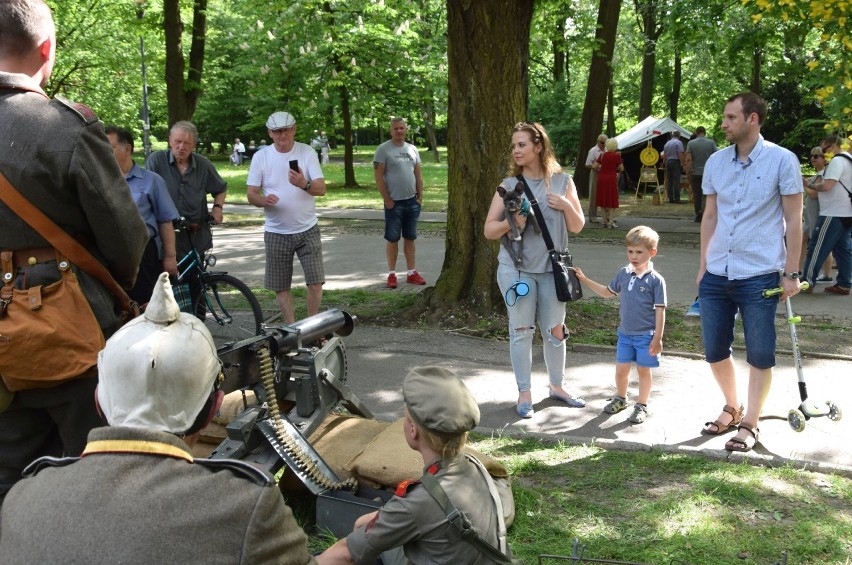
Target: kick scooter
x=807, y=409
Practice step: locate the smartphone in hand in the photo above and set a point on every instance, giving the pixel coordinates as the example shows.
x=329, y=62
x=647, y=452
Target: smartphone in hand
x=294, y=165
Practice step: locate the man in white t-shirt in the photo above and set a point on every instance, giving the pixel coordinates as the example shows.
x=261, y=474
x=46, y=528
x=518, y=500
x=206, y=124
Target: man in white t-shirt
x=833, y=229
x=284, y=179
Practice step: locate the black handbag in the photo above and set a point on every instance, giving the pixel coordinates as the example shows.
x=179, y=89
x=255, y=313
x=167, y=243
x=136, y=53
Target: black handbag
x=565, y=279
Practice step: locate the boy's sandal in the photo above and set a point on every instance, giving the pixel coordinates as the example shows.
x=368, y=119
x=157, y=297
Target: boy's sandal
x=742, y=445
x=721, y=428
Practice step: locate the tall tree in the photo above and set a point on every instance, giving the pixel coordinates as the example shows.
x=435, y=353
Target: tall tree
x=183, y=86
x=652, y=26
x=488, y=53
x=596, y=90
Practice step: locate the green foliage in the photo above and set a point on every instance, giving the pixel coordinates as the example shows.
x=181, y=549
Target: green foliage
x=556, y=112
x=389, y=58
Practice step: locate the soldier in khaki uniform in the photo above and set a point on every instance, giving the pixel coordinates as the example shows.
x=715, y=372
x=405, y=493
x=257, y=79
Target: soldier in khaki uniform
x=56, y=155
x=439, y=411
x=136, y=495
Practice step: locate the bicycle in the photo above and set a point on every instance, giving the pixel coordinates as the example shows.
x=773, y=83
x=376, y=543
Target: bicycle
x=226, y=304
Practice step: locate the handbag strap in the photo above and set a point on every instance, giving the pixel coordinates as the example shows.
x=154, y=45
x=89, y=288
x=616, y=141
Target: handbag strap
x=545, y=234
x=60, y=240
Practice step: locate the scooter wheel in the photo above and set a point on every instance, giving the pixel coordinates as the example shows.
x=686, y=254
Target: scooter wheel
x=834, y=412
x=796, y=420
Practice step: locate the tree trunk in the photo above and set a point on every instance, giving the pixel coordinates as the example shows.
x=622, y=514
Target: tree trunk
x=677, y=80
x=558, y=44
x=596, y=89
x=348, y=155
x=756, y=68
x=646, y=10
x=610, y=108
x=431, y=134
x=183, y=89
x=488, y=53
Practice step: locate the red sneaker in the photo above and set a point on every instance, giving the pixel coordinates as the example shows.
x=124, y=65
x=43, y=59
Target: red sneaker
x=392, y=281
x=415, y=278
x=834, y=289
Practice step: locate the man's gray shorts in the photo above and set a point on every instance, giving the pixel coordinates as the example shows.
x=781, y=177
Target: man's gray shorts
x=279, y=258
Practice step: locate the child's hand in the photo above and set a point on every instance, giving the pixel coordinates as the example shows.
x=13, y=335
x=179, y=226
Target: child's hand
x=656, y=346
x=580, y=274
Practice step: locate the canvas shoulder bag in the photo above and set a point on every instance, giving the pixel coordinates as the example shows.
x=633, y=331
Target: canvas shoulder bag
x=49, y=334
x=567, y=284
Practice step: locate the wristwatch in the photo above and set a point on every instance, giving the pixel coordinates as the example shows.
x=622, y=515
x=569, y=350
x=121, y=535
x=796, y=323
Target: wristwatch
x=217, y=205
x=792, y=276
x=308, y=186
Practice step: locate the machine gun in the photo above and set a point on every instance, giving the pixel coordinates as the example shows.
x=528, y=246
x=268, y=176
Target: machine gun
x=298, y=373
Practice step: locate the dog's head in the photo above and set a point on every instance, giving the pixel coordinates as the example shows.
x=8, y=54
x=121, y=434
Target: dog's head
x=512, y=197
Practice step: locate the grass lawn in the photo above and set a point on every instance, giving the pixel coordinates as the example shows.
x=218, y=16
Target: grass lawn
x=664, y=508
x=658, y=508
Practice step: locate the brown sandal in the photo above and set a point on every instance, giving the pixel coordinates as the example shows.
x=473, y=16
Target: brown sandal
x=742, y=445
x=736, y=418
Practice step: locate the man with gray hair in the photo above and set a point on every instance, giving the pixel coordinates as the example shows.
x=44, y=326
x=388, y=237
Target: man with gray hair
x=137, y=495
x=55, y=154
x=190, y=177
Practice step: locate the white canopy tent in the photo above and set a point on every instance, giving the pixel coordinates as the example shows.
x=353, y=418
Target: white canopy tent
x=649, y=128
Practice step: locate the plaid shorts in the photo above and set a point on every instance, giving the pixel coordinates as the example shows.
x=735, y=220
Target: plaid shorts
x=279, y=258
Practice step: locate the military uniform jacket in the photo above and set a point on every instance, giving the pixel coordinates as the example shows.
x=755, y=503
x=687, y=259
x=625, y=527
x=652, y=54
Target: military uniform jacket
x=137, y=496
x=56, y=155
x=418, y=524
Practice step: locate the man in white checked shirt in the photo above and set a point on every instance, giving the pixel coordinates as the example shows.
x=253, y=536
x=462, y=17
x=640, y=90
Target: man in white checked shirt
x=754, y=200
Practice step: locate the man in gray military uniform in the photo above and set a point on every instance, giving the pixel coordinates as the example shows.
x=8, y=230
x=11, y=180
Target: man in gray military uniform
x=56, y=155
x=436, y=425
x=136, y=495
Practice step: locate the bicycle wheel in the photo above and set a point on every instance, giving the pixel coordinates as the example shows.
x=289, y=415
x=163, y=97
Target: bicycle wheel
x=229, y=309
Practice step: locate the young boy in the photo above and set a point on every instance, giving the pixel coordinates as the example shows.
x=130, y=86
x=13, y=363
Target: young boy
x=643, y=318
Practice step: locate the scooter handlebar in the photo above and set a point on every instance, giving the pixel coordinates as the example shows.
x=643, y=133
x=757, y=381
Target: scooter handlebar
x=778, y=290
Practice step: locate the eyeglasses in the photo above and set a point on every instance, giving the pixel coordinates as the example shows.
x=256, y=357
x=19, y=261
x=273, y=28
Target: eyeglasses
x=282, y=130
x=601, y=142
x=826, y=148
x=815, y=156
x=518, y=289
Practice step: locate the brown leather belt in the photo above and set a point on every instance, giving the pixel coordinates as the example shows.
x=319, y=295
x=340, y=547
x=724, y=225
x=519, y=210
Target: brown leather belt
x=32, y=256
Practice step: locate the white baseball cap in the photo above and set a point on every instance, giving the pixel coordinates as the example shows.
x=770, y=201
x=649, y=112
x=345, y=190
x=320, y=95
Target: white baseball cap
x=158, y=370
x=280, y=120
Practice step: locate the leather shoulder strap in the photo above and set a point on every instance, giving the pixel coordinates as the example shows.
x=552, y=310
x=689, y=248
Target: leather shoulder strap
x=545, y=234
x=60, y=240
x=459, y=521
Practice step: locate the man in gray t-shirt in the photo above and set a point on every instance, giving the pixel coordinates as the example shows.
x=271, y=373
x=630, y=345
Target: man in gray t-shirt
x=698, y=150
x=397, y=170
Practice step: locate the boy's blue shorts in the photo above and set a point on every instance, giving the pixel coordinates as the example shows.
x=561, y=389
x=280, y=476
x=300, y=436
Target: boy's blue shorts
x=634, y=348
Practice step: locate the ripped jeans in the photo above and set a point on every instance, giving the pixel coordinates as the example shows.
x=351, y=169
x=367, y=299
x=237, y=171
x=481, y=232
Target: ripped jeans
x=540, y=304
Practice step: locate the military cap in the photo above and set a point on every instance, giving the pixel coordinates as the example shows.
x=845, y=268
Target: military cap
x=439, y=401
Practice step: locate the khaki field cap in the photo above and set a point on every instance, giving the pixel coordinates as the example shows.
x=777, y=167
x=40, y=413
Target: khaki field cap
x=280, y=120
x=439, y=401
x=157, y=371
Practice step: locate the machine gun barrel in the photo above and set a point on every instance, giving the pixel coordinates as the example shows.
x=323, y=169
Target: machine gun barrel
x=310, y=329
